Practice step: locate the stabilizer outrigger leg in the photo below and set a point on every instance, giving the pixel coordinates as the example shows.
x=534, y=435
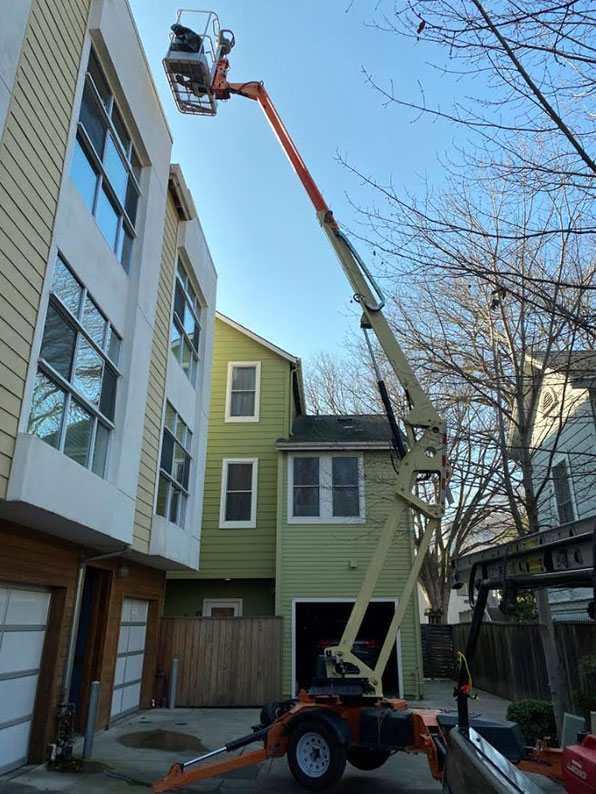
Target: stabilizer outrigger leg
x=180, y=773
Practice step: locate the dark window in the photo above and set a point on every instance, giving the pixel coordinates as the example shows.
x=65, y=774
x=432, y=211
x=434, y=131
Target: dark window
x=105, y=167
x=563, y=495
x=186, y=326
x=345, y=486
x=174, y=477
x=306, y=487
x=239, y=492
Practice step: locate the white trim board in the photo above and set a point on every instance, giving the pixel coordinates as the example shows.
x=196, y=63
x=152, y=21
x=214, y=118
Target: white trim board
x=341, y=600
x=252, y=522
x=255, y=417
x=257, y=338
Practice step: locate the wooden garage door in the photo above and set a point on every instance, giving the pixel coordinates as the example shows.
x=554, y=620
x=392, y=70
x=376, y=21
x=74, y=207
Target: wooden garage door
x=131, y=656
x=23, y=619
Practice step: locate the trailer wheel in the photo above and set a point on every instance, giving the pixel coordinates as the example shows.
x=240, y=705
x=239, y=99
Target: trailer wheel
x=316, y=756
x=367, y=758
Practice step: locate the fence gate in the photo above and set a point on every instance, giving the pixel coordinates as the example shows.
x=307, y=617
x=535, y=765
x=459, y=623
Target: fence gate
x=438, y=655
x=223, y=661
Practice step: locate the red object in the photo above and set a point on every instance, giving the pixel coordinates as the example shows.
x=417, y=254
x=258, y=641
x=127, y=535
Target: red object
x=579, y=767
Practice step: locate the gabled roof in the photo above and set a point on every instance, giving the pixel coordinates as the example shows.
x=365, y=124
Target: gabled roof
x=577, y=364
x=355, y=431
x=257, y=338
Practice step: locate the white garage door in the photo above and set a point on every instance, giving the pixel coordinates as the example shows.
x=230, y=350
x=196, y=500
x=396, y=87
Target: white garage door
x=131, y=655
x=23, y=619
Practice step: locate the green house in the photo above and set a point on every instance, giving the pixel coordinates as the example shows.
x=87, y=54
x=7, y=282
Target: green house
x=292, y=509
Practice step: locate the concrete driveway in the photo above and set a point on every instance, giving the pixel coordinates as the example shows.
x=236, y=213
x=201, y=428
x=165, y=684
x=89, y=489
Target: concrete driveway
x=137, y=751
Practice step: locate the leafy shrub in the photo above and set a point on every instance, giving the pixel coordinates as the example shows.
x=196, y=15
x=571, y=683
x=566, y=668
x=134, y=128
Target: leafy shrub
x=536, y=719
x=585, y=701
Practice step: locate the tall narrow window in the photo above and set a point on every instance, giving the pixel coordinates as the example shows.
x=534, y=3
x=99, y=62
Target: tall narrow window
x=105, y=167
x=563, y=493
x=74, y=395
x=244, y=391
x=186, y=325
x=174, y=474
x=239, y=493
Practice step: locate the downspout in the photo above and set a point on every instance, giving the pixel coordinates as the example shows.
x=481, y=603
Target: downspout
x=74, y=623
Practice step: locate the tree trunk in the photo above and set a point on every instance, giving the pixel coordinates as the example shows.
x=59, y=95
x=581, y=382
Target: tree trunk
x=556, y=679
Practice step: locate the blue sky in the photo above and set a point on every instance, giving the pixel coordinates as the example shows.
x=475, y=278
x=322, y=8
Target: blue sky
x=277, y=273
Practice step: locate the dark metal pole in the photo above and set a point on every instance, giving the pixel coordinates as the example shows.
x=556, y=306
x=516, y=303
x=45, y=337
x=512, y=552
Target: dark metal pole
x=463, y=718
x=173, y=684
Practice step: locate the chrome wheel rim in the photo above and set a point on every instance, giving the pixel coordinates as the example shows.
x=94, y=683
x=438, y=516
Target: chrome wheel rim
x=313, y=754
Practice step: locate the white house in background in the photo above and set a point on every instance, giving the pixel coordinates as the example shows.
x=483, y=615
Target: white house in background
x=564, y=439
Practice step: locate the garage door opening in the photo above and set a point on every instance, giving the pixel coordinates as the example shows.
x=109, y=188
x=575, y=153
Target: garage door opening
x=318, y=624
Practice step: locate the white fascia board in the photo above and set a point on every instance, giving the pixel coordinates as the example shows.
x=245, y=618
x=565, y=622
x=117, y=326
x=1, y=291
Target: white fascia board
x=338, y=445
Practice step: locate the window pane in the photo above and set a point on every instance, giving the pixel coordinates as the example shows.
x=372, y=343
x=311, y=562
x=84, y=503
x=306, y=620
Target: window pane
x=108, y=393
x=167, y=453
x=136, y=165
x=88, y=372
x=345, y=501
x=47, y=406
x=239, y=477
x=94, y=322
x=79, y=425
x=100, y=453
x=162, y=496
x=125, y=245
x=115, y=169
x=244, y=378
x=306, y=471
x=186, y=357
x=170, y=417
x=243, y=404
x=189, y=321
x=345, y=471
x=563, y=493
x=182, y=518
x=57, y=347
x=179, y=301
x=196, y=336
x=92, y=120
x=113, y=345
x=66, y=287
x=174, y=501
x=107, y=218
x=180, y=431
x=131, y=202
x=94, y=70
x=306, y=501
x=120, y=128
x=238, y=506
x=83, y=175
x=176, y=343
x=179, y=464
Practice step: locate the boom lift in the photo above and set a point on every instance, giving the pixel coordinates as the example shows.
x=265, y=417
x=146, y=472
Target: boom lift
x=344, y=715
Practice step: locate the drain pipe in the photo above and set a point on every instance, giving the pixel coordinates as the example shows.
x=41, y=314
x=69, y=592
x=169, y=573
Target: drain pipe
x=74, y=623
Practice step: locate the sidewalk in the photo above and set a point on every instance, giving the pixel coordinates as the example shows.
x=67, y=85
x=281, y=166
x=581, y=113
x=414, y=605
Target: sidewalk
x=135, y=752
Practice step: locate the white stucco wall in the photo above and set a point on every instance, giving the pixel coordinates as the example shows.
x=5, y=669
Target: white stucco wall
x=13, y=24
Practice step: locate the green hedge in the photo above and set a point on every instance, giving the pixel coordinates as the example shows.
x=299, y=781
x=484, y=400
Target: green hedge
x=536, y=718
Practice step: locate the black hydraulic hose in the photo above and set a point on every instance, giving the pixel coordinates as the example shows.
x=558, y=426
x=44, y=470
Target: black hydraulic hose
x=397, y=439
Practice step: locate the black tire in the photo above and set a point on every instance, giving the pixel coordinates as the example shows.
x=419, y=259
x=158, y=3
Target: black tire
x=367, y=758
x=316, y=756
x=270, y=712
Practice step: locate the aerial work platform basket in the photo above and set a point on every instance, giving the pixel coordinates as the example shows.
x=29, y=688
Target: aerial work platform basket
x=197, y=43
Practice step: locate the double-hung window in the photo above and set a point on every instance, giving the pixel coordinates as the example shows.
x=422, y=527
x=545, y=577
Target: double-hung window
x=243, y=391
x=563, y=492
x=239, y=493
x=74, y=395
x=186, y=325
x=326, y=488
x=105, y=167
x=174, y=472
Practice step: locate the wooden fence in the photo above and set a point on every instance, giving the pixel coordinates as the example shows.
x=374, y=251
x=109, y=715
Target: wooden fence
x=509, y=659
x=437, y=650
x=223, y=661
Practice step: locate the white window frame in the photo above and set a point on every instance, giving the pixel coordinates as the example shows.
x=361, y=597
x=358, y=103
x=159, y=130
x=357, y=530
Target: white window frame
x=562, y=458
x=255, y=416
x=326, y=493
x=251, y=524
x=209, y=603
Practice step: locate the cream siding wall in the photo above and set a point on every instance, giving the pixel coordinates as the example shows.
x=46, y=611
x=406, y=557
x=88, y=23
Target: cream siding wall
x=314, y=562
x=157, y=381
x=31, y=164
x=243, y=553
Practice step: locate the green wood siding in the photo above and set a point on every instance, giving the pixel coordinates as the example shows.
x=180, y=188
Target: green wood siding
x=314, y=562
x=31, y=164
x=243, y=553
x=184, y=597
